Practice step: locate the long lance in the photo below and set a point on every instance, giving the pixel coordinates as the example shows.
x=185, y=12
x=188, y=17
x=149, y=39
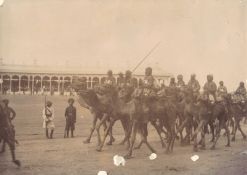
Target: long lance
x=146, y=56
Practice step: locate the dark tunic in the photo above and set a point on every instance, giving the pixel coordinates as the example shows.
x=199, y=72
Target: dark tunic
x=70, y=115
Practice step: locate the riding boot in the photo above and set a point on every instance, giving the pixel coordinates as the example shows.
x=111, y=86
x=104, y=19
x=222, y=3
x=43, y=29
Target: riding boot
x=51, y=135
x=47, y=134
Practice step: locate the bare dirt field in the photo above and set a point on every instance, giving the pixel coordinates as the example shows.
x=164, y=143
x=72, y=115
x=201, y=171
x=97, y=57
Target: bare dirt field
x=70, y=156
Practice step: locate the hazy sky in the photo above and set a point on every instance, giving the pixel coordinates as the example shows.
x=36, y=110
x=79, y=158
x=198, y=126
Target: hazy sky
x=197, y=36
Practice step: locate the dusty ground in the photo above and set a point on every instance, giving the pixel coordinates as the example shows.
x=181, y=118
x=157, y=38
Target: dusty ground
x=70, y=156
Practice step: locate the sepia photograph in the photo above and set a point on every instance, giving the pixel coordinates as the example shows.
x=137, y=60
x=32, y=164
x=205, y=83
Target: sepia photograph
x=123, y=87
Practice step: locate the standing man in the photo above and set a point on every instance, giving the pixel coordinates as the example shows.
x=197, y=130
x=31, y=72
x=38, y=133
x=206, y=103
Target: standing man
x=210, y=87
x=194, y=85
x=8, y=111
x=70, y=115
x=48, y=117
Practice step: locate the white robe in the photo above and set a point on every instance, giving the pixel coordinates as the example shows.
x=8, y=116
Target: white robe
x=48, y=121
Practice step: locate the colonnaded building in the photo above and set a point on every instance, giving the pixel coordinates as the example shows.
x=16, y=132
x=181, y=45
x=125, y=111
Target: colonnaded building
x=56, y=80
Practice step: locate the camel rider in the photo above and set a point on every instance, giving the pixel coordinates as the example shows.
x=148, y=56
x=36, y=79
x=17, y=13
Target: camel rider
x=172, y=90
x=120, y=81
x=110, y=80
x=180, y=82
x=148, y=83
x=129, y=85
x=241, y=91
x=222, y=90
x=194, y=85
x=172, y=83
x=210, y=87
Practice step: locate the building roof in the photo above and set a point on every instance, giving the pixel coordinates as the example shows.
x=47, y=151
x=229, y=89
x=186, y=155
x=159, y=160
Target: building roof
x=69, y=70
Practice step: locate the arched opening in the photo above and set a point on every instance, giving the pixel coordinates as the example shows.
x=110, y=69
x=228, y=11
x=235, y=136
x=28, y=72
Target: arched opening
x=24, y=83
x=54, y=85
x=37, y=84
x=83, y=81
x=67, y=84
x=102, y=80
x=6, y=84
x=46, y=84
x=95, y=81
x=15, y=83
x=89, y=83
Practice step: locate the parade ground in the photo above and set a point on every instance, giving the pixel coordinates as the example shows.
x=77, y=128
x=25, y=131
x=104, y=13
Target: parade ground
x=70, y=156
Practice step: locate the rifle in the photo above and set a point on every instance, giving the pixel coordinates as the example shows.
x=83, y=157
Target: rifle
x=149, y=53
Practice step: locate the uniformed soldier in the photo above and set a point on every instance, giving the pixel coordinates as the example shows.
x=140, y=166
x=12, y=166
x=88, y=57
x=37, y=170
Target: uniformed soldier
x=180, y=82
x=70, y=115
x=222, y=90
x=172, y=83
x=148, y=79
x=48, y=117
x=8, y=111
x=121, y=80
x=194, y=85
x=110, y=80
x=129, y=85
x=241, y=90
x=148, y=83
x=210, y=87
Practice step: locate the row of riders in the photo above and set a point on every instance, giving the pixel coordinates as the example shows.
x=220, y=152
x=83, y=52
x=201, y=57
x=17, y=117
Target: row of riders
x=173, y=110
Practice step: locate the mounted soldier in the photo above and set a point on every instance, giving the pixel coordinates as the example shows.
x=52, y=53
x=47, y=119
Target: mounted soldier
x=194, y=86
x=129, y=85
x=180, y=82
x=241, y=91
x=222, y=90
x=210, y=88
x=120, y=82
x=148, y=83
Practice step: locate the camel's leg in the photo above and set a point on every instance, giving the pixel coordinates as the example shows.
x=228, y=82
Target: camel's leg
x=212, y=130
x=240, y=129
x=105, y=134
x=158, y=129
x=235, y=130
x=110, y=133
x=104, y=118
x=126, y=131
x=173, y=138
x=3, y=147
x=218, y=129
x=92, y=130
x=227, y=134
x=169, y=139
x=132, y=141
x=144, y=137
x=195, y=143
x=203, y=144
